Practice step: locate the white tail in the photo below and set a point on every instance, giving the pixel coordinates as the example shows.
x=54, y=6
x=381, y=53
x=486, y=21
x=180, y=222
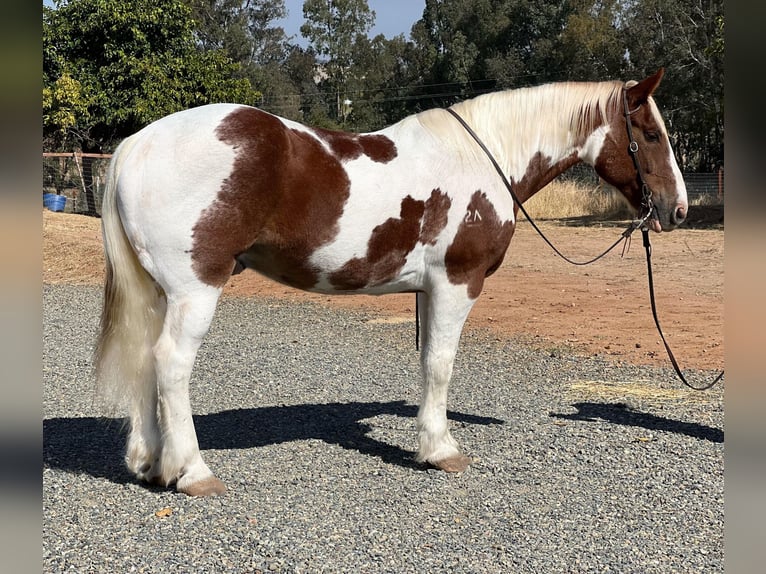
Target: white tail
x=132, y=313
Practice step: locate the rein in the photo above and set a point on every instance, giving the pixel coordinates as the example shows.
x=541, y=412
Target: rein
x=648, y=249
x=648, y=209
x=625, y=234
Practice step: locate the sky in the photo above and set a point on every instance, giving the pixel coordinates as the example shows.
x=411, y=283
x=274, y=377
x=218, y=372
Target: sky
x=392, y=17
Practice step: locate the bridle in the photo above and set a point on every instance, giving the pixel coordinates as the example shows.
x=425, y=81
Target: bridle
x=646, y=212
x=647, y=207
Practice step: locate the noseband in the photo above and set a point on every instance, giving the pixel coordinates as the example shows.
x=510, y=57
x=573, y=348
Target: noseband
x=647, y=207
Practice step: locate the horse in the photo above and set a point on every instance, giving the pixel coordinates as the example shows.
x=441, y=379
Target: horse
x=207, y=192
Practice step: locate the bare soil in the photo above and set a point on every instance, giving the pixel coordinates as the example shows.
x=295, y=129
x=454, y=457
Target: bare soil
x=536, y=297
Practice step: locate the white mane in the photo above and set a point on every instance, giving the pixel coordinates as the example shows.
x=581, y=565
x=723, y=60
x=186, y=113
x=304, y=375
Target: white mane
x=516, y=124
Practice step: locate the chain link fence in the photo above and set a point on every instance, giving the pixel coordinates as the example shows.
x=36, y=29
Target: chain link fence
x=80, y=178
x=74, y=182
x=705, y=188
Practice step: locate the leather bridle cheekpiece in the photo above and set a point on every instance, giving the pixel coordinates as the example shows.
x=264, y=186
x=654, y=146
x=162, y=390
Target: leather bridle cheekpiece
x=647, y=207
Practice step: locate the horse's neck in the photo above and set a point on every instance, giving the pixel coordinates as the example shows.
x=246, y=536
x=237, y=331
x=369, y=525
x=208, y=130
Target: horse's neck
x=528, y=133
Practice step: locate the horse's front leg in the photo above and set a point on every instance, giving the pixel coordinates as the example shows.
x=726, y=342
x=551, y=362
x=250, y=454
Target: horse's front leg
x=442, y=313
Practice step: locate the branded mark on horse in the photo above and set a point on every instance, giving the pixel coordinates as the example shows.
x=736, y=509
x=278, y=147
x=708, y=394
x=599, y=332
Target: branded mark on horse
x=415, y=207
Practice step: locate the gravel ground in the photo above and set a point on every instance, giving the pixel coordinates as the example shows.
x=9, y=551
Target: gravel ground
x=307, y=414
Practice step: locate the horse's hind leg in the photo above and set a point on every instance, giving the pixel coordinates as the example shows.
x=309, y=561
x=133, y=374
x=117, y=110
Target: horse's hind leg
x=187, y=321
x=443, y=313
x=142, y=456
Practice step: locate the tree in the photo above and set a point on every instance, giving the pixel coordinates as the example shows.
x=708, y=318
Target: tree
x=243, y=29
x=466, y=47
x=686, y=37
x=379, y=81
x=592, y=43
x=332, y=28
x=112, y=66
x=470, y=47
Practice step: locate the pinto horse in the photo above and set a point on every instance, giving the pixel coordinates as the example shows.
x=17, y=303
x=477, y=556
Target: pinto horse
x=416, y=207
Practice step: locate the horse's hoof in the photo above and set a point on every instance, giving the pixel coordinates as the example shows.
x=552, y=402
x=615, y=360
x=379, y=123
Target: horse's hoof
x=456, y=463
x=210, y=486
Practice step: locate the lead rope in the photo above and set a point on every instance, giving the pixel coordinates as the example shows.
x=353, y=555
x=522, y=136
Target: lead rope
x=648, y=249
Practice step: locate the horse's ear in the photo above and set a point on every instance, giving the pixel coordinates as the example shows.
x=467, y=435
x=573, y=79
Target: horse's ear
x=640, y=92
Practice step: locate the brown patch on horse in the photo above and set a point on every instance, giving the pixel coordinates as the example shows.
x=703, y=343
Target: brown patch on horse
x=435, y=217
x=272, y=212
x=347, y=146
x=540, y=172
x=479, y=245
x=392, y=241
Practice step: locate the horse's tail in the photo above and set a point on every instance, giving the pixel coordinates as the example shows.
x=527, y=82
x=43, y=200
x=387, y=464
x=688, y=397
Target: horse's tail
x=133, y=309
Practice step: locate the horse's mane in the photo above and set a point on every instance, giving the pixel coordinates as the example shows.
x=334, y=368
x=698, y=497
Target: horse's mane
x=583, y=106
x=565, y=112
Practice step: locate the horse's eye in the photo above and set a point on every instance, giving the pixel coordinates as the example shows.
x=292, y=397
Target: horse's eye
x=652, y=136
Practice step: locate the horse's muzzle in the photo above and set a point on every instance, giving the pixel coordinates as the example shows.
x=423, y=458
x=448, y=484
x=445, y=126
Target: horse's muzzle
x=679, y=214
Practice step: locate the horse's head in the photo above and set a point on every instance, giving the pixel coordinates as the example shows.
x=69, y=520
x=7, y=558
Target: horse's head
x=637, y=159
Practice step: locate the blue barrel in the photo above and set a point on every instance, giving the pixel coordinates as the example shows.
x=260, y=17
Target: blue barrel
x=54, y=202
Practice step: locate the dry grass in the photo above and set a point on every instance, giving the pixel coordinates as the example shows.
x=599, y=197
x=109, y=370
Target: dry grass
x=636, y=390
x=564, y=199
x=706, y=200
x=72, y=251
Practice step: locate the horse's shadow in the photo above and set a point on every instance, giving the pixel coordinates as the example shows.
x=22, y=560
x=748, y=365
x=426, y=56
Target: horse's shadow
x=94, y=446
x=621, y=414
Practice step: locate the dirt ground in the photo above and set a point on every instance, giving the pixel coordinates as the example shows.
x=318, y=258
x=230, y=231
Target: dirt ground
x=601, y=309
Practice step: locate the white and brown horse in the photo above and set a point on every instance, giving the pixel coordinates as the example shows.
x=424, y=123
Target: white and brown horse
x=415, y=207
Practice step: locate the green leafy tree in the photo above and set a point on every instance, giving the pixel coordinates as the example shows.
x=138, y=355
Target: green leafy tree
x=466, y=47
x=222, y=25
x=686, y=37
x=332, y=28
x=304, y=98
x=111, y=67
x=379, y=81
x=592, y=44
x=243, y=29
x=246, y=31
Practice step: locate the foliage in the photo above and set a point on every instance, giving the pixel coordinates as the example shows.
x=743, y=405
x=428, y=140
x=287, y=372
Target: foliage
x=467, y=47
x=334, y=28
x=240, y=28
x=283, y=72
x=112, y=66
x=685, y=36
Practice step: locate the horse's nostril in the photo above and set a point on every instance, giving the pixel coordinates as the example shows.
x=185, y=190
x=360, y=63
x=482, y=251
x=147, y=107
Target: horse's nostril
x=680, y=214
